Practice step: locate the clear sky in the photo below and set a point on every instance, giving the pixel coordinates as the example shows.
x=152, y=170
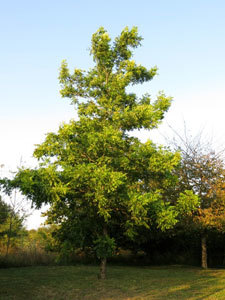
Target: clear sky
x=185, y=39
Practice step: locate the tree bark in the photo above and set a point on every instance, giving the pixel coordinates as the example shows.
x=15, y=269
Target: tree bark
x=204, y=252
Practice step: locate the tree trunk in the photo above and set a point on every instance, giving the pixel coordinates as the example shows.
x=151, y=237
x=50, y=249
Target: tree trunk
x=9, y=236
x=7, y=246
x=102, y=274
x=204, y=252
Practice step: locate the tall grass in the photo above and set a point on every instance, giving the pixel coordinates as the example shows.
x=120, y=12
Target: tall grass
x=26, y=257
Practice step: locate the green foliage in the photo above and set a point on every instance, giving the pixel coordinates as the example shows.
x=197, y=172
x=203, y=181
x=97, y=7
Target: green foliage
x=104, y=247
x=167, y=218
x=4, y=211
x=40, y=239
x=187, y=203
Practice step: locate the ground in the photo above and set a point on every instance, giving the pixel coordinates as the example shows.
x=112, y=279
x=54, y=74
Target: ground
x=123, y=282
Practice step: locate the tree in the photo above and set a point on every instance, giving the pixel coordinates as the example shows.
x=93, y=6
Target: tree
x=93, y=172
x=11, y=228
x=202, y=170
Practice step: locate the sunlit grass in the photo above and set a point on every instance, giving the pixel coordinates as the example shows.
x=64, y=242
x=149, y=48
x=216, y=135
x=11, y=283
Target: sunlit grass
x=80, y=282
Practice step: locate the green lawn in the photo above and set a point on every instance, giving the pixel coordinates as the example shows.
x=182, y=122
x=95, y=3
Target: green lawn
x=80, y=282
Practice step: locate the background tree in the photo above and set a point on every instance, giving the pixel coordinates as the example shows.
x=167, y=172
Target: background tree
x=202, y=170
x=93, y=172
x=13, y=226
x=41, y=240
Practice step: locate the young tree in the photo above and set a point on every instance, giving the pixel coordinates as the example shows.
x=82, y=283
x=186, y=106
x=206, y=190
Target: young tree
x=93, y=172
x=15, y=221
x=12, y=227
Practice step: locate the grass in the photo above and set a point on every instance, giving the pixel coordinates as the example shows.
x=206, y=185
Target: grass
x=123, y=282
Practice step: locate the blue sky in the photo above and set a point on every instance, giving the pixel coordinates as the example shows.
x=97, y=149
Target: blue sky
x=185, y=39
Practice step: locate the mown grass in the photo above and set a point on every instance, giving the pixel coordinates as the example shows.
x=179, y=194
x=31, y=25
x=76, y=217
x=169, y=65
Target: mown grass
x=123, y=282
